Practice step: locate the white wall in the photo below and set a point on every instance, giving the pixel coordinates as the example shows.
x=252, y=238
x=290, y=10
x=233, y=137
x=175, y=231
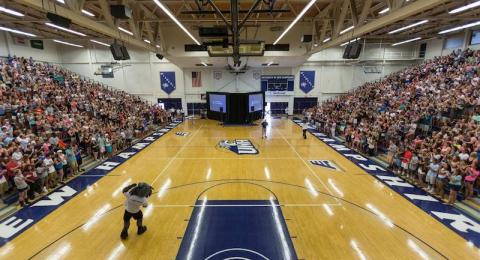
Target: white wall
x=436, y=47
x=7, y=46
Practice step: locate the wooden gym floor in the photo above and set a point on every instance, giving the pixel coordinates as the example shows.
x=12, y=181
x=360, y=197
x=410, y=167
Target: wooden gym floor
x=328, y=213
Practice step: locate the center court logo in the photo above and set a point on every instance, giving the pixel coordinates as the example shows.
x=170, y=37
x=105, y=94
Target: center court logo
x=238, y=146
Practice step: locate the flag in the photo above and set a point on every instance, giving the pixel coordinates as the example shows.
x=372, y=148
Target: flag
x=196, y=79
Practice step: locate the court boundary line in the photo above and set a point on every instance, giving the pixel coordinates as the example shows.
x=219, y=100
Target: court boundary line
x=304, y=162
x=65, y=199
x=400, y=193
x=174, y=157
x=185, y=185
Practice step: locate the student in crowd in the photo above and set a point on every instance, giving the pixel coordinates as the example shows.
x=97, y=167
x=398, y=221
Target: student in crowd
x=22, y=188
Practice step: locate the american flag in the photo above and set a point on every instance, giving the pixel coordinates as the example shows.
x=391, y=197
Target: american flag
x=196, y=79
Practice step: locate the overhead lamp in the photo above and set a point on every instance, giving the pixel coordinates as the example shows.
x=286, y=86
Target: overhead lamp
x=65, y=29
x=346, y=30
x=88, y=13
x=305, y=9
x=408, y=26
x=10, y=11
x=345, y=43
x=458, y=28
x=16, y=31
x=167, y=11
x=384, y=10
x=204, y=64
x=326, y=40
x=68, y=43
x=147, y=41
x=158, y=46
x=101, y=43
x=125, y=30
x=465, y=7
x=407, y=41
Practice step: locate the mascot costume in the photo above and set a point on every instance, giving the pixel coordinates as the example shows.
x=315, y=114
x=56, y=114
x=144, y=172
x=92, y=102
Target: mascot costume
x=136, y=195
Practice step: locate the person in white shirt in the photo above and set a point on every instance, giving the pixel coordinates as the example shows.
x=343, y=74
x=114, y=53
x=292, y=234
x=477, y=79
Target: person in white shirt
x=136, y=195
x=304, y=130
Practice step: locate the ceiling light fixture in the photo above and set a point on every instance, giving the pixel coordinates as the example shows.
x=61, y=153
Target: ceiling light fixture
x=411, y=40
x=10, y=11
x=384, y=11
x=16, y=31
x=464, y=8
x=345, y=43
x=305, y=9
x=346, y=30
x=326, y=40
x=167, y=11
x=460, y=27
x=125, y=30
x=147, y=41
x=158, y=46
x=65, y=29
x=87, y=13
x=101, y=43
x=408, y=26
x=204, y=64
x=68, y=43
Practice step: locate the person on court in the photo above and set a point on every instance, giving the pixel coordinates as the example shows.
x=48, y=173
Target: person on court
x=304, y=130
x=264, y=129
x=137, y=195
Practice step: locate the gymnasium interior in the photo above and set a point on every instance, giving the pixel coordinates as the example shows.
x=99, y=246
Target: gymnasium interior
x=239, y=129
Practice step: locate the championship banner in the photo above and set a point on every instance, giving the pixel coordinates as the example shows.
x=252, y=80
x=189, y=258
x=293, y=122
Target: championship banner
x=307, y=80
x=167, y=81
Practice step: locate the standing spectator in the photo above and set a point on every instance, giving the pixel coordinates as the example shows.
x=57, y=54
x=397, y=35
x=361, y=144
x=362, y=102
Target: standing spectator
x=22, y=187
x=432, y=174
x=470, y=178
x=455, y=184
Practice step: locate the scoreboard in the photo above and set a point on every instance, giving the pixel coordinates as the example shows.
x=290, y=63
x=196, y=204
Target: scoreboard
x=277, y=84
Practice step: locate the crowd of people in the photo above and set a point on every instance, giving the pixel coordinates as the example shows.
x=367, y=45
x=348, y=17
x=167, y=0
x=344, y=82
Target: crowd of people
x=50, y=118
x=421, y=118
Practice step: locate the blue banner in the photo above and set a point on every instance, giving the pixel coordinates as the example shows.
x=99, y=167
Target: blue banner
x=307, y=80
x=448, y=215
x=26, y=217
x=167, y=81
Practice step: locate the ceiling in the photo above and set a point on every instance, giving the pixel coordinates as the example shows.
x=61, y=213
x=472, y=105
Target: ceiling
x=326, y=19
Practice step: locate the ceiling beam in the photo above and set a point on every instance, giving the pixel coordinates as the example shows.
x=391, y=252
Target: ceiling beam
x=85, y=22
x=364, y=13
x=105, y=6
x=341, y=18
x=392, y=17
x=353, y=8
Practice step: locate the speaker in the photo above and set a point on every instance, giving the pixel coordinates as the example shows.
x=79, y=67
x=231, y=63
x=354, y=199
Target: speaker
x=121, y=11
x=59, y=20
x=159, y=56
x=346, y=52
x=125, y=54
x=355, y=50
x=116, y=51
x=307, y=38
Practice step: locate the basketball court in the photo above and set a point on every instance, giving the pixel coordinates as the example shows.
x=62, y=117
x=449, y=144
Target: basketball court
x=211, y=203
